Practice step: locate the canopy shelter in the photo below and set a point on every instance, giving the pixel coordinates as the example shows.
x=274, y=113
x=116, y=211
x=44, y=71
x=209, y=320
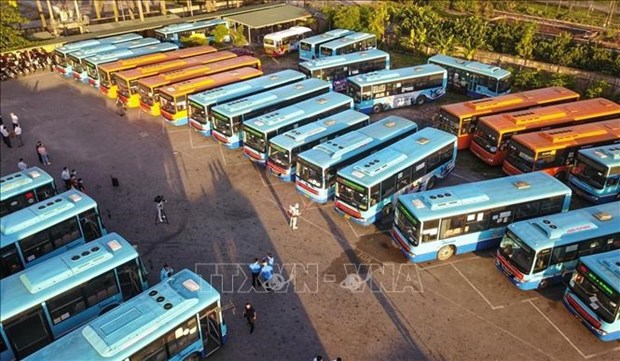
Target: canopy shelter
x=262, y=22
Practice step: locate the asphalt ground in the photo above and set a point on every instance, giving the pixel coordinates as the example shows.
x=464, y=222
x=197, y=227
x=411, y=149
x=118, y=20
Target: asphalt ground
x=346, y=292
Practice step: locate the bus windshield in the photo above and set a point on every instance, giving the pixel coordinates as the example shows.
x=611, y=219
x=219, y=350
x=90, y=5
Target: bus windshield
x=255, y=140
x=198, y=112
x=521, y=157
x=504, y=85
x=91, y=69
x=122, y=87
x=590, y=172
x=280, y=156
x=221, y=123
x=448, y=122
x=75, y=63
x=269, y=42
x=516, y=252
x=487, y=137
x=309, y=173
x=167, y=103
x=604, y=300
x=351, y=193
x=326, y=51
x=104, y=79
x=355, y=92
x=408, y=224
x=59, y=58
x=147, y=95
x=305, y=46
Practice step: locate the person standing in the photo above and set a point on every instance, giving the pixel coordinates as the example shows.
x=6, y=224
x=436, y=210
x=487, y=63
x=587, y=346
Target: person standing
x=14, y=119
x=250, y=314
x=80, y=186
x=66, y=177
x=293, y=212
x=270, y=259
x=266, y=273
x=5, y=136
x=43, y=153
x=165, y=273
x=255, y=268
x=121, y=107
x=17, y=130
x=36, y=147
x=22, y=165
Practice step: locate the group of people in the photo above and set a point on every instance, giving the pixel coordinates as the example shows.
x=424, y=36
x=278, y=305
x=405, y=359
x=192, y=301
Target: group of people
x=16, y=133
x=262, y=271
x=71, y=180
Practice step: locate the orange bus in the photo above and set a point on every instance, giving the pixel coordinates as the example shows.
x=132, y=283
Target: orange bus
x=460, y=118
x=107, y=83
x=149, y=87
x=493, y=133
x=127, y=80
x=174, y=97
x=554, y=151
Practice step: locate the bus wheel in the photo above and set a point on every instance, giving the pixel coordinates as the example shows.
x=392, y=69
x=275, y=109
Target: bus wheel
x=377, y=108
x=445, y=253
x=193, y=357
x=543, y=284
x=431, y=183
x=420, y=100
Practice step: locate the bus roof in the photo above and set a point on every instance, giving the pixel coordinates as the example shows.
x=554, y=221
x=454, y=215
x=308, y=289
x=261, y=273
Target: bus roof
x=269, y=81
x=569, y=227
x=508, y=102
x=208, y=81
x=608, y=155
x=134, y=324
x=471, y=197
x=480, y=68
x=331, y=61
x=14, y=183
x=175, y=28
x=606, y=266
x=552, y=114
x=251, y=102
x=158, y=58
x=346, y=40
x=129, y=53
x=327, y=36
x=560, y=138
x=332, y=151
x=174, y=70
x=372, y=169
x=42, y=215
x=281, y=117
x=381, y=76
x=32, y=286
x=98, y=41
x=319, y=129
x=294, y=30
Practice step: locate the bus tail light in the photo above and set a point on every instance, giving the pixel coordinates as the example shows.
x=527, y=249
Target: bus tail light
x=581, y=312
x=508, y=267
x=219, y=138
x=307, y=187
x=348, y=210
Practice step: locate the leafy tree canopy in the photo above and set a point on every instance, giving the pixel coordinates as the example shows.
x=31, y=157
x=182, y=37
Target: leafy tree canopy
x=11, y=36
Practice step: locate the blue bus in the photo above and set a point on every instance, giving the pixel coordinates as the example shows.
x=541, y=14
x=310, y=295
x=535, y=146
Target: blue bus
x=228, y=118
x=470, y=217
x=92, y=63
x=596, y=174
x=337, y=69
x=60, y=54
x=389, y=89
x=593, y=294
x=348, y=44
x=24, y=188
x=540, y=251
x=283, y=149
x=309, y=47
x=202, y=29
x=316, y=168
x=179, y=319
x=76, y=58
x=257, y=132
x=46, y=301
x=366, y=190
x=472, y=78
x=200, y=104
x=46, y=229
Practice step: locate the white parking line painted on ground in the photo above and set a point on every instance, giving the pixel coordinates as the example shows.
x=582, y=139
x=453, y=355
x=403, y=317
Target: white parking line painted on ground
x=444, y=264
x=358, y=235
x=476, y=289
x=558, y=329
x=192, y=146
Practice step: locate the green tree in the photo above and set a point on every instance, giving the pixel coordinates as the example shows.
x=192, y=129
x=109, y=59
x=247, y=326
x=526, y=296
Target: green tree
x=375, y=18
x=525, y=45
x=11, y=36
x=238, y=36
x=596, y=89
x=557, y=79
x=442, y=39
x=560, y=50
x=527, y=78
x=348, y=17
x=472, y=34
x=220, y=34
x=502, y=37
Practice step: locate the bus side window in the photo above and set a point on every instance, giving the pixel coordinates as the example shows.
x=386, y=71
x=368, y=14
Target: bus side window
x=430, y=231
x=542, y=260
x=388, y=187
x=564, y=253
x=374, y=195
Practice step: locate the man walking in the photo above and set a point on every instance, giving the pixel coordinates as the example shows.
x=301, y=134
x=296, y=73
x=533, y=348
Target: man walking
x=250, y=314
x=293, y=212
x=22, y=165
x=17, y=130
x=66, y=177
x=255, y=268
x=5, y=136
x=266, y=273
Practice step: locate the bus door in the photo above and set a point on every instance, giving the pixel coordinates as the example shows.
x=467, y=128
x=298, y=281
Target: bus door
x=211, y=330
x=129, y=279
x=472, y=83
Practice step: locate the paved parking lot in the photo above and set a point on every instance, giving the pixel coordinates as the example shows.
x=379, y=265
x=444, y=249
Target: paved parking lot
x=347, y=292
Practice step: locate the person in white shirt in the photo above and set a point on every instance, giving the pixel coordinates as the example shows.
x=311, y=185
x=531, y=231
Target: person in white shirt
x=14, y=119
x=18, y=134
x=21, y=164
x=5, y=136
